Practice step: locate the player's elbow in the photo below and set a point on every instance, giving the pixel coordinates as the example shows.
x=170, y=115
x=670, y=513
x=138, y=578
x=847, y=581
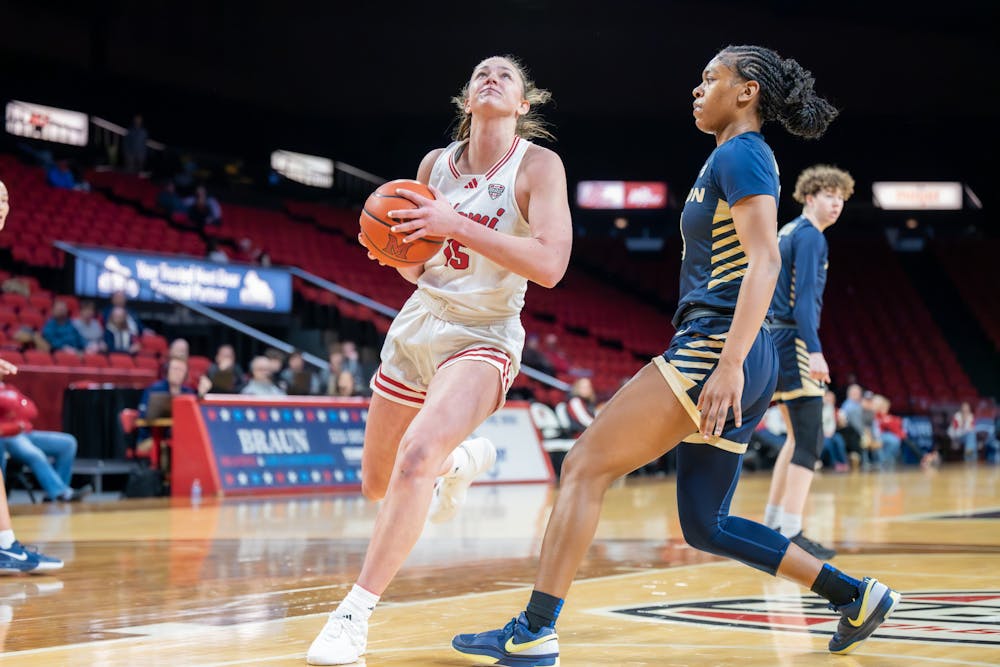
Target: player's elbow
x=549, y=277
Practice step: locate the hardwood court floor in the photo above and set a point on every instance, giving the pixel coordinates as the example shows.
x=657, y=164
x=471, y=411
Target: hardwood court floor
x=250, y=582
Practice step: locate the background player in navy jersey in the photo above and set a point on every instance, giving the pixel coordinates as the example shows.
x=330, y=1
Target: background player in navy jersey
x=803, y=372
x=710, y=388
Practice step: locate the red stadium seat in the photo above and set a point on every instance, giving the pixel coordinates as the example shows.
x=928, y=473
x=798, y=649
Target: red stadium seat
x=95, y=360
x=67, y=358
x=37, y=358
x=120, y=360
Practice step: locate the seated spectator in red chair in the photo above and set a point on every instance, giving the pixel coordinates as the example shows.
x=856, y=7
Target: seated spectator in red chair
x=59, y=175
x=202, y=210
x=261, y=379
x=962, y=432
x=224, y=376
x=179, y=348
x=34, y=448
x=168, y=200
x=246, y=251
x=118, y=336
x=346, y=386
x=90, y=328
x=119, y=300
x=533, y=357
x=60, y=332
x=173, y=384
x=556, y=356
x=298, y=379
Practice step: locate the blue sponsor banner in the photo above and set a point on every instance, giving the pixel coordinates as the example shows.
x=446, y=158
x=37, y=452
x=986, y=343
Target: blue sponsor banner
x=148, y=277
x=281, y=448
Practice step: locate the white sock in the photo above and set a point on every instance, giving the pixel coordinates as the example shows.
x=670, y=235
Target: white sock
x=791, y=524
x=358, y=605
x=460, y=462
x=7, y=539
x=772, y=516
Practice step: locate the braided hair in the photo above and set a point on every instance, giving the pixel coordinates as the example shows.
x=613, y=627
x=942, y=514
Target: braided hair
x=786, y=89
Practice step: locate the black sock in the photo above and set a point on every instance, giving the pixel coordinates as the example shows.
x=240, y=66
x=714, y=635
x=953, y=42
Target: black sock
x=836, y=586
x=542, y=611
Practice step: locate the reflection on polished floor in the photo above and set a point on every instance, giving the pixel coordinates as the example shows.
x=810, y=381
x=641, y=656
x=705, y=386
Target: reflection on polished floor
x=248, y=582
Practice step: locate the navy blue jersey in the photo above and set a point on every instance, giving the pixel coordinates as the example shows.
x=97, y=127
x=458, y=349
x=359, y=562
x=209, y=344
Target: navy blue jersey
x=713, y=262
x=798, y=296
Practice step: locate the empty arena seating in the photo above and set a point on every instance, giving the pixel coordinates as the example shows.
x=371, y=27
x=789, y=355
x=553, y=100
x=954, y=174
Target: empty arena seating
x=969, y=265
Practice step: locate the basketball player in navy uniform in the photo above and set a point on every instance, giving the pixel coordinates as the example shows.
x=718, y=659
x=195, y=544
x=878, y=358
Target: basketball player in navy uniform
x=708, y=391
x=803, y=371
x=454, y=348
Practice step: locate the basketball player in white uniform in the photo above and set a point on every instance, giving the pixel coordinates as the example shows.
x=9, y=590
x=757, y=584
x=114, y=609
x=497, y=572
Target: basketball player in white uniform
x=452, y=352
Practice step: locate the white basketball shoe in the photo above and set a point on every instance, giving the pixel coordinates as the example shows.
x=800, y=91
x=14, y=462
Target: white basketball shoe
x=342, y=641
x=451, y=489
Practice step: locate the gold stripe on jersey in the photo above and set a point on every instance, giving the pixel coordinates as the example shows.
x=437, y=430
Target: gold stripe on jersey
x=722, y=212
x=705, y=342
x=684, y=363
x=703, y=354
x=722, y=270
x=719, y=231
x=726, y=254
x=791, y=294
x=725, y=279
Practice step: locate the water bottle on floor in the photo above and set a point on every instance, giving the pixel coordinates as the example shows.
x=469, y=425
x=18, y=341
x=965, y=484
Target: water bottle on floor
x=196, y=492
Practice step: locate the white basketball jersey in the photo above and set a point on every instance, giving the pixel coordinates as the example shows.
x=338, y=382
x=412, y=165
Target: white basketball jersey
x=462, y=285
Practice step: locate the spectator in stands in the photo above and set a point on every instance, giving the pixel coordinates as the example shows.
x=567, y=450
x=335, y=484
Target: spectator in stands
x=168, y=199
x=345, y=386
x=834, y=448
x=179, y=348
x=335, y=364
x=118, y=336
x=59, y=175
x=34, y=448
x=203, y=210
x=276, y=358
x=298, y=379
x=247, y=252
x=173, y=384
x=556, y=356
x=890, y=431
x=134, y=146
x=224, y=376
x=59, y=330
x=261, y=384
x=870, y=439
x=214, y=253
x=120, y=300
x=962, y=431
x=533, y=357
x=90, y=328
x=352, y=363
x=581, y=406
x=853, y=424
x=264, y=259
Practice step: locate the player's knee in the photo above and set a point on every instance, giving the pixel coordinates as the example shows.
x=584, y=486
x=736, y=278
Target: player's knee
x=577, y=468
x=419, y=458
x=698, y=532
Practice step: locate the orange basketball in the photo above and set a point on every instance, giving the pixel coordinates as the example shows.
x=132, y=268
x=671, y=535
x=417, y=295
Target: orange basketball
x=376, y=224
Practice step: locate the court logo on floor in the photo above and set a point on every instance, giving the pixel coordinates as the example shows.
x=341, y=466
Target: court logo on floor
x=955, y=617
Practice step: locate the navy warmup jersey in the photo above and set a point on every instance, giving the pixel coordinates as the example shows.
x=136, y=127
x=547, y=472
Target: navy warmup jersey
x=713, y=262
x=798, y=296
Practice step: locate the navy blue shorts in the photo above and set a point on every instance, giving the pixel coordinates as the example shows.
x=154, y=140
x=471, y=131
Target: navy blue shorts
x=793, y=375
x=694, y=351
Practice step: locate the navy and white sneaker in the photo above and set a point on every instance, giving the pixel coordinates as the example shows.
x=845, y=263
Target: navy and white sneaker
x=513, y=645
x=859, y=619
x=17, y=558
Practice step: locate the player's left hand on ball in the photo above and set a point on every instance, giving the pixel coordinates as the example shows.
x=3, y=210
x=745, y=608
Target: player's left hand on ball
x=723, y=390
x=361, y=240
x=432, y=217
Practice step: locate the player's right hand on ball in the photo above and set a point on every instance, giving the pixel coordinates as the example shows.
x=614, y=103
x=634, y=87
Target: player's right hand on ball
x=361, y=240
